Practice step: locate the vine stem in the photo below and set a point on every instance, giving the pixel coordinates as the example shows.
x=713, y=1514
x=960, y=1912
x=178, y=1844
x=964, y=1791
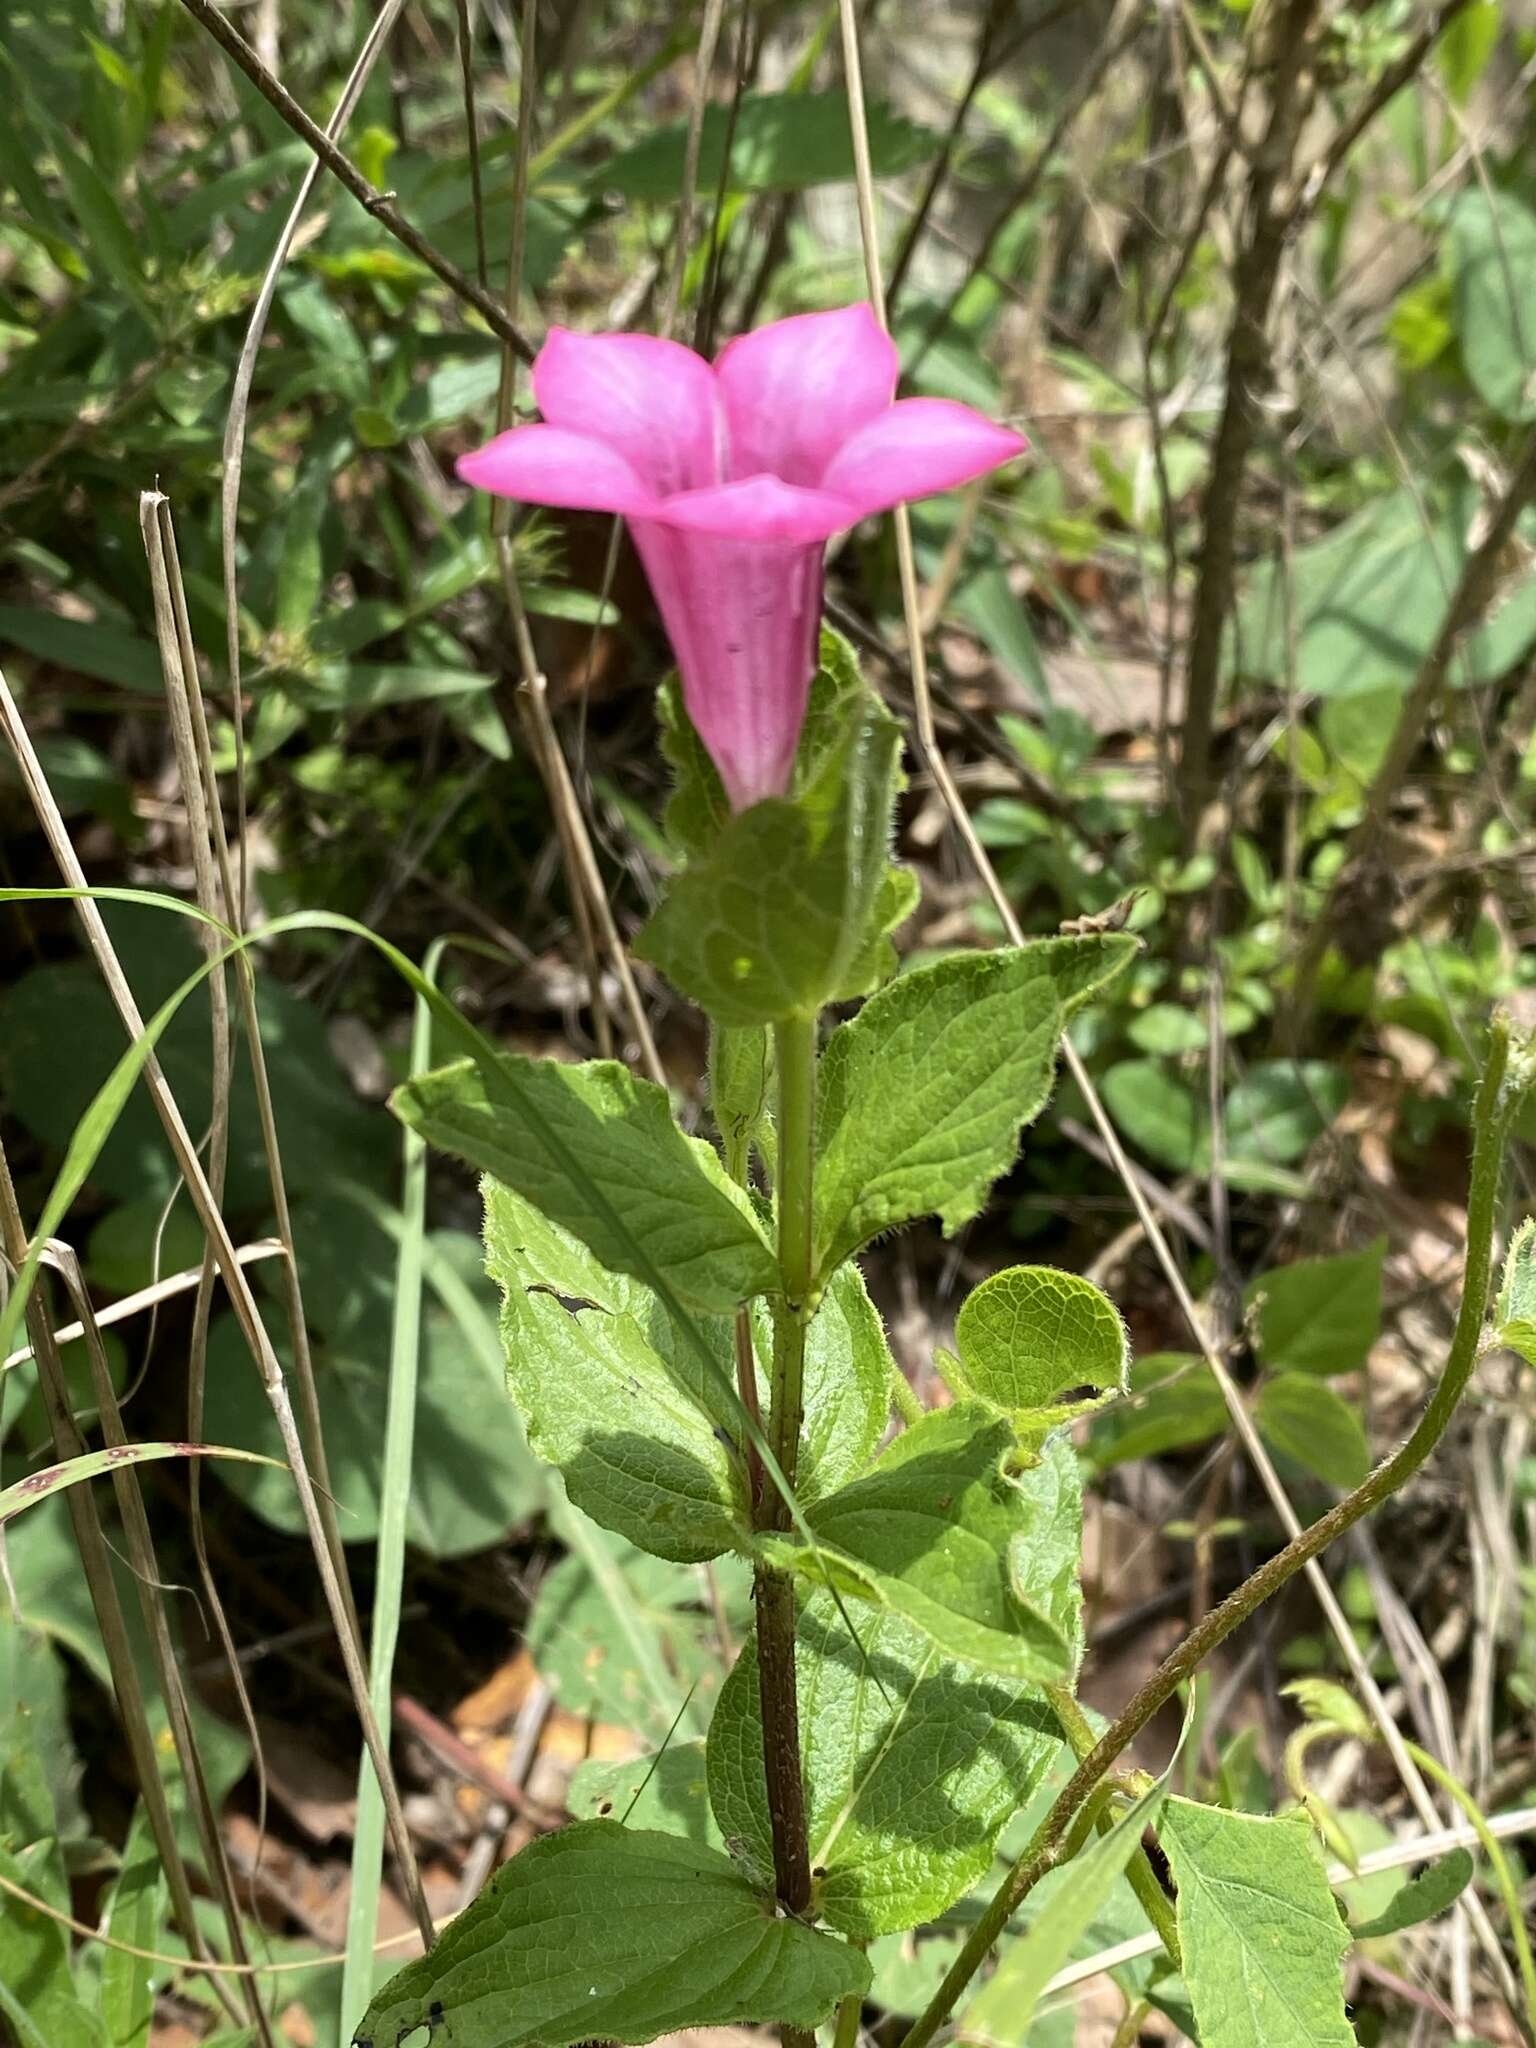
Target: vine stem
x=774, y=1592
x=1498, y=1098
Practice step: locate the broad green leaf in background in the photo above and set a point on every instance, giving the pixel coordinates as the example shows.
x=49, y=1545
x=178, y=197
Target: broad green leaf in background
x=1319, y=1315
x=776, y=917
x=1305, y=1420
x=780, y=142
x=34, y=1959
x=1002, y=2011
x=1370, y=596
x=598, y=1152
x=668, y=1792
x=1424, y=1897
x=622, y=1638
x=1030, y=1332
x=912, y=1765
x=924, y=1093
x=35, y=1736
x=1272, y=1115
x=611, y=1933
x=471, y=1474
x=1261, y=1934
x=1490, y=251
x=606, y=1394
x=1174, y=1404
x=134, y=1914
x=937, y=1532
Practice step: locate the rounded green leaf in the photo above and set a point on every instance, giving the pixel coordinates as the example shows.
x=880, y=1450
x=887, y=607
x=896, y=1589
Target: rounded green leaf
x=1031, y=1332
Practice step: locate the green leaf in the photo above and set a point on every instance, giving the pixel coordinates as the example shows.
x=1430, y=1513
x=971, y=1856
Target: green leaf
x=636, y=1421
x=597, y=1151
x=108, y=652
x=1174, y=1405
x=924, y=1093
x=741, y=1086
x=780, y=142
x=1332, y=1705
x=134, y=1915
x=1424, y=1897
x=609, y=1933
x=621, y=1637
x=1515, y=1313
x=912, y=1766
x=937, y=1532
x=472, y=1478
x=607, y=1394
x=40, y=1486
x=775, y=918
x=34, y=1957
x=1030, y=1332
x=1261, y=1934
x=1273, y=1114
x=1307, y=1421
x=668, y=1792
x=1490, y=250
x=1004, y=2007
x=1464, y=49
x=1364, y=603
x=1319, y=1315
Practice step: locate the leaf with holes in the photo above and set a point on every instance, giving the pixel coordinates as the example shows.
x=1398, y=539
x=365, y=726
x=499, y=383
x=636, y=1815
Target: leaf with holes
x=1030, y=1332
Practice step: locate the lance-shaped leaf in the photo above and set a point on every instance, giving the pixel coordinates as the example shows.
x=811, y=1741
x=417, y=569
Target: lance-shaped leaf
x=597, y=1150
x=1261, y=1934
x=1424, y=1897
x=925, y=1091
x=608, y=1933
x=780, y=913
x=645, y=1430
x=1029, y=1333
x=983, y=1562
x=912, y=1766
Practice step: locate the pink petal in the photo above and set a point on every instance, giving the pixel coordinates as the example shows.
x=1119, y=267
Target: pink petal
x=795, y=391
x=548, y=466
x=916, y=447
x=760, y=509
x=651, y=401
x=744, y=621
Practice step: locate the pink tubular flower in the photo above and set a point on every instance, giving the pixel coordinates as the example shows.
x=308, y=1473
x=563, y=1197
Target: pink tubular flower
x=733, y=476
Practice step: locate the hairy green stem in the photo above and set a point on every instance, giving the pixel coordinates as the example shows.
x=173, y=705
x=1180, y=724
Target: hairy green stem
x=774, y=1592
x=1498, y=1098
x=1154, y=1901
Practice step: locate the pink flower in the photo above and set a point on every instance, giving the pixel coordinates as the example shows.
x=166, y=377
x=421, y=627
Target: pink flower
x=733, y=476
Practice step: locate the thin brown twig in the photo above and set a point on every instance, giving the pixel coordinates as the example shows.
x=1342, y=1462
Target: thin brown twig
x=380, y=205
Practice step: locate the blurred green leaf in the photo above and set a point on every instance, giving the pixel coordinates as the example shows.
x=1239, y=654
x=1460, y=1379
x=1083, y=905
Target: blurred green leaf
x=783, y=142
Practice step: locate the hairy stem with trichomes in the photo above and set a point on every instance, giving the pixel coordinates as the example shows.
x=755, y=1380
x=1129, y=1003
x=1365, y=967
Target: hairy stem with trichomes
x=1506, y=1075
